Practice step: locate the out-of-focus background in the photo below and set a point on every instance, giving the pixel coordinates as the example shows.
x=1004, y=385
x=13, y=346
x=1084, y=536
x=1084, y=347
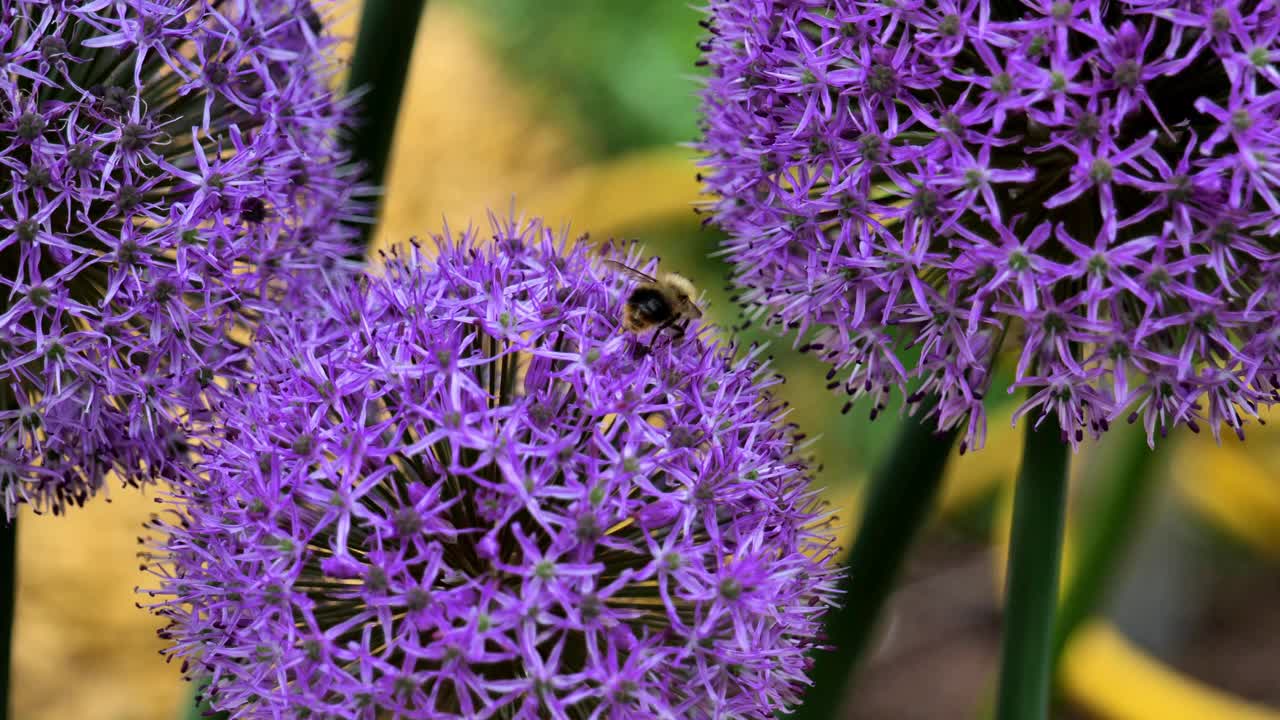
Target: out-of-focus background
x=576, y=110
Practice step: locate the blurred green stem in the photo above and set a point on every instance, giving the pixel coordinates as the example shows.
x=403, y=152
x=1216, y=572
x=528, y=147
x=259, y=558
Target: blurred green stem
x=1111, y=523
x=200, y=710
x=1031, y=587
x=384, y=46
x=901, y=494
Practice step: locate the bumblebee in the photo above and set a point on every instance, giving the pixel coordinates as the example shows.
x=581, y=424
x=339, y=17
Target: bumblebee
x=657, y=302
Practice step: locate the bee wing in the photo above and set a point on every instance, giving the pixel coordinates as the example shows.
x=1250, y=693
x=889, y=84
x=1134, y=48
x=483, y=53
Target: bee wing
x=630, y=271
x=694, y=310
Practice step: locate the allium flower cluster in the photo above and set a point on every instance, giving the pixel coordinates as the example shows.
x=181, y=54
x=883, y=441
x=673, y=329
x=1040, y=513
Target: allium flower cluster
x=458, y=491
x=1090, y=182
x=167, y=169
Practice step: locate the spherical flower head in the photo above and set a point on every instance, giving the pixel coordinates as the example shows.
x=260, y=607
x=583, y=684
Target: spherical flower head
x=168, y=172
x=1090, y=184
x=459, y=491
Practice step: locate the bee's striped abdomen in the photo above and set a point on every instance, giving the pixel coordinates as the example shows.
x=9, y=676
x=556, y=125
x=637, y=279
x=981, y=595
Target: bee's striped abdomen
x=647, y=306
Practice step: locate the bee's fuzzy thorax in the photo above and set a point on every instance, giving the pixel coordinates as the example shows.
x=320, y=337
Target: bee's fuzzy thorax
x=680, y=283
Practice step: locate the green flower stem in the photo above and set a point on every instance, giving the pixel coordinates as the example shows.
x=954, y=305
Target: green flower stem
x=381, y=62
x=200, y=710
x=1031, y=588
x=1104, y=537
x=902, y=493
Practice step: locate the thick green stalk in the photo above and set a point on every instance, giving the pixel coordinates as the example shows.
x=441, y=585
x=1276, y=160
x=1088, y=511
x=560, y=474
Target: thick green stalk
x=1111, y=523
x=1031, y=588
x=902, y=493
x=381, y=62
x=8, y=595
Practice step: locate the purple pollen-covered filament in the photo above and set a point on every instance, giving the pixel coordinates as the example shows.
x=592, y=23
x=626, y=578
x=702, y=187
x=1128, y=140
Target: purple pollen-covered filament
x=458, y=491
x=1092, y=184
x=148, y=217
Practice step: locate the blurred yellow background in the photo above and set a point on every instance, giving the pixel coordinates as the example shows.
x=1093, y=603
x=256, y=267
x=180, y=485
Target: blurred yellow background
x=474, y=135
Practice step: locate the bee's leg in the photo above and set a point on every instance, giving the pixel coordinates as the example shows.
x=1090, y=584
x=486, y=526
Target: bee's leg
x=639, y=350
x=658, y=330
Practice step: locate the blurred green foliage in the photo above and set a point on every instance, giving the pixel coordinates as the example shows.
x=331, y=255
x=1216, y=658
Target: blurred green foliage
x=620, y=72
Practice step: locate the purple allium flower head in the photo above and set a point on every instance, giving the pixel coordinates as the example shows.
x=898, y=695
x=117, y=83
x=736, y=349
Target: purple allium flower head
x=458, y=491
x=1092, y=182
x=168, y=170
